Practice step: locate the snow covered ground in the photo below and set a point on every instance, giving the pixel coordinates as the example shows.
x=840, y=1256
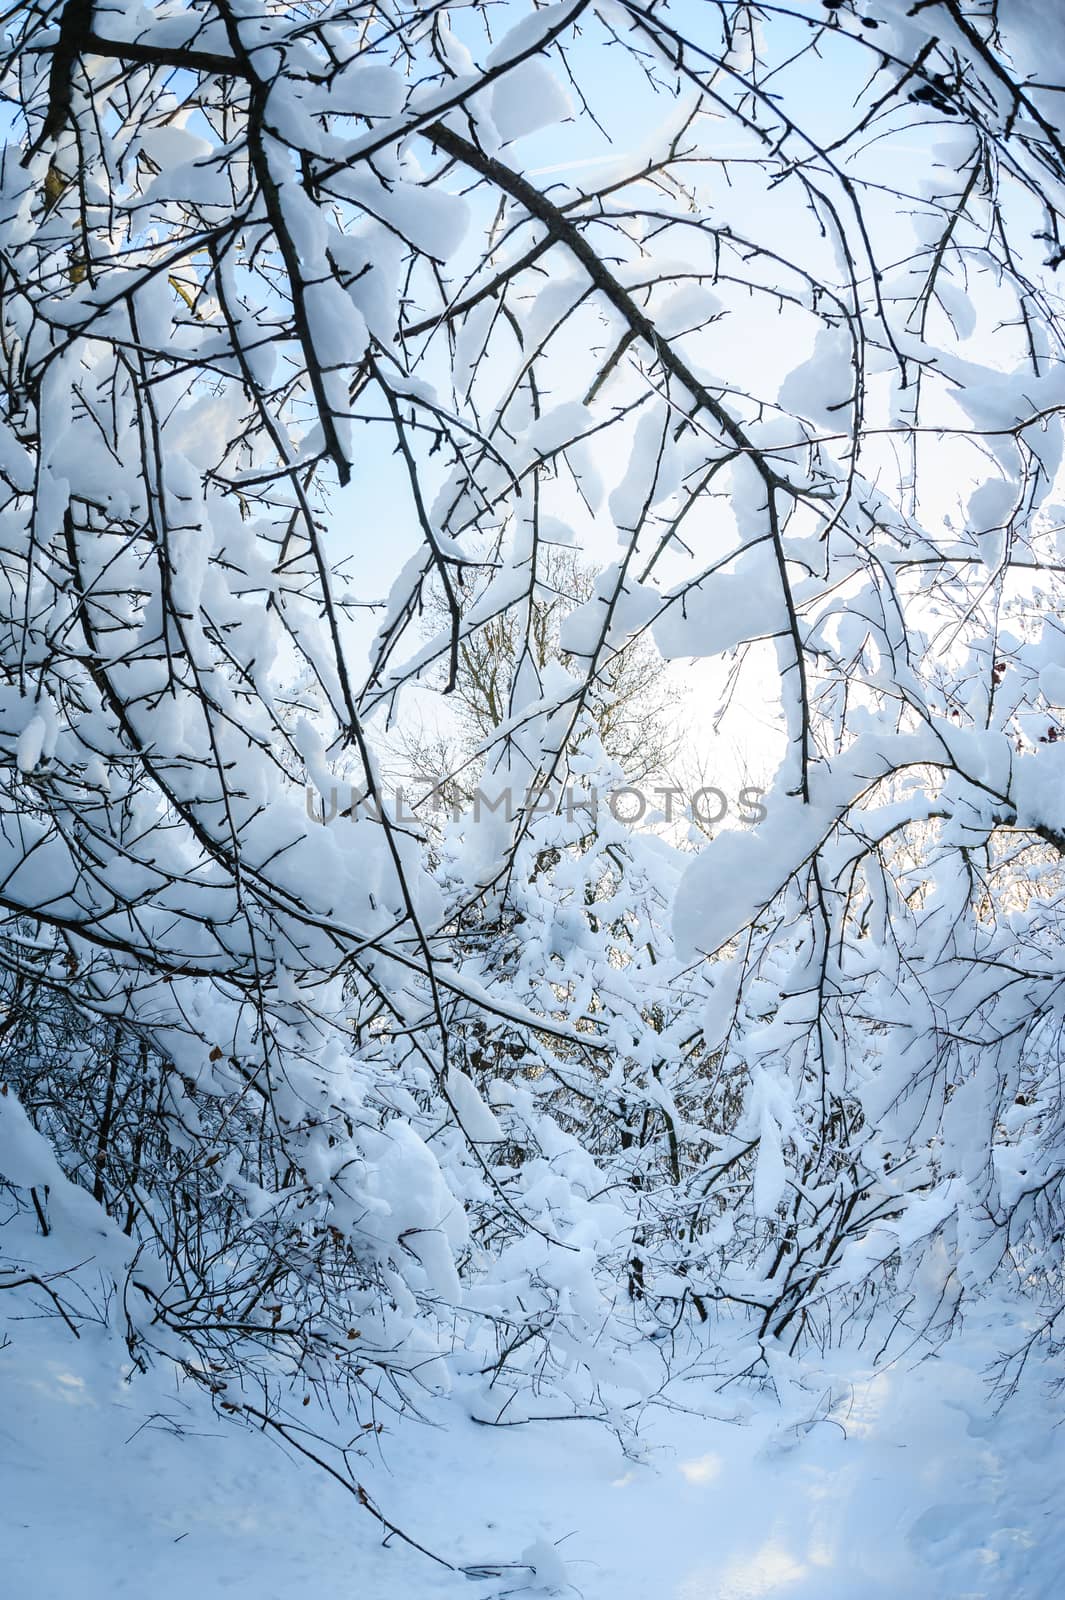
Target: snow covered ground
x=913, y=1489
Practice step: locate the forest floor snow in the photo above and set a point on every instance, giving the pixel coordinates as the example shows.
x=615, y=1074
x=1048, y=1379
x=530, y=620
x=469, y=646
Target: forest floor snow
x=914, y=1488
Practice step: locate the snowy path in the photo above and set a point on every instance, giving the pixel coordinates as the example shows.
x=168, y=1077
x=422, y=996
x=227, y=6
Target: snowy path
x=927, y=1497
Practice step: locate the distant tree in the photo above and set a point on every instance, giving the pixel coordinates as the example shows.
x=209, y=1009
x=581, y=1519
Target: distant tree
x=633, y=705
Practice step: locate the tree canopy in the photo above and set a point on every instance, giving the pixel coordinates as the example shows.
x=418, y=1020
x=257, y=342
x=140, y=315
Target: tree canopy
x=753, y=309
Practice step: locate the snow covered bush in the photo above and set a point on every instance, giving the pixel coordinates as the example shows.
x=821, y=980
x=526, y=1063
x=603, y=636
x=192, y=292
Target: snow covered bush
x=302, y=305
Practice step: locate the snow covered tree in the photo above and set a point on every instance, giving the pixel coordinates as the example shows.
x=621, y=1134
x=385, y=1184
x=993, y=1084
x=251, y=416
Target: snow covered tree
x=346, y=1104
x=629, y=709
